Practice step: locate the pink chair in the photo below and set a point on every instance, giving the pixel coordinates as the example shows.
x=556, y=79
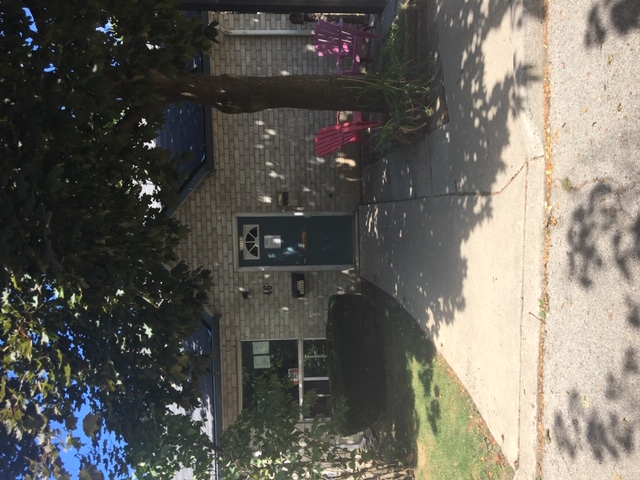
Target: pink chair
x=332, y=139
x=342, y=41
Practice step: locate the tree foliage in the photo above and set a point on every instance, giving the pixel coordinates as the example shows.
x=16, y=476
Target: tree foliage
x=94, y=303
x=269, y=441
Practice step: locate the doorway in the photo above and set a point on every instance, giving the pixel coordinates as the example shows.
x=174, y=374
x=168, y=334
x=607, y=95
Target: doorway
x=295, y=241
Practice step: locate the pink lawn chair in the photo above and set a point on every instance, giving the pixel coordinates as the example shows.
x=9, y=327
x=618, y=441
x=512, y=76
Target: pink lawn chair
x=342, y=41
x=332, y=139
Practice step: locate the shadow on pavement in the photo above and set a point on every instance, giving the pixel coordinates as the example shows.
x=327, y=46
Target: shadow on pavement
x=603, y=241
x=622, y=15
x=535, y=8
x=606, y=433
x=601, y=218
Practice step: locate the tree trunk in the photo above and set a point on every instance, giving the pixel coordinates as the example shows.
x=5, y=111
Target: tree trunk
x=234, y=94
x=284, y=6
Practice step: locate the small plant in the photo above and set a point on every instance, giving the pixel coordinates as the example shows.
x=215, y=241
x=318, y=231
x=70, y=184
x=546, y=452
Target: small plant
x=542, y=304
x=567, y=186
x=407, y=90
x=410, y=99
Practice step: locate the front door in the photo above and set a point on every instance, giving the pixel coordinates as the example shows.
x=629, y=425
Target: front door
x=295, y=240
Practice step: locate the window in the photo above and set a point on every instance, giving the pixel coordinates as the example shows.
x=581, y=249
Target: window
x=304, y=361
x=250, y=242
x=188, y=130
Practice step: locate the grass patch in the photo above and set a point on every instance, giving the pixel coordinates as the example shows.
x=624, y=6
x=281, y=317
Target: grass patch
x=453, y=442
x=429, y=422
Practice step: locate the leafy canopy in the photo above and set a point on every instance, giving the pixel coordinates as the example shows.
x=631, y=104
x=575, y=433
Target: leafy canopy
x=94, y=303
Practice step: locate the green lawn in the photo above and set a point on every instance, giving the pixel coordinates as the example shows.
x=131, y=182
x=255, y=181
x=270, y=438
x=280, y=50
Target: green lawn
x=419, y=411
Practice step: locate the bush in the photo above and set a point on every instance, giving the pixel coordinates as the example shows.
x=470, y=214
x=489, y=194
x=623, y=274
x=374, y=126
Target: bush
x=356, y=360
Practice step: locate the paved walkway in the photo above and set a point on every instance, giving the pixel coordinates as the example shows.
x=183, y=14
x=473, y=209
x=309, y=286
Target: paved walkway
x=464, y=234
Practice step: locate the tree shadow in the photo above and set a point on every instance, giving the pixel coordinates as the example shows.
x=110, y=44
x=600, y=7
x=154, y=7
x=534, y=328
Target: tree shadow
x=606, y=432
x=536, y=8
x=609, y=16
x=403, y=339
x=601, y=234
x=434, y=411
x=633, y=317
x=588, y=223
x=604, y=253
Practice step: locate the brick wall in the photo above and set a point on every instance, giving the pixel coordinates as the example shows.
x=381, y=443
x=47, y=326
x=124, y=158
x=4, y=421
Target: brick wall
x=257, y=156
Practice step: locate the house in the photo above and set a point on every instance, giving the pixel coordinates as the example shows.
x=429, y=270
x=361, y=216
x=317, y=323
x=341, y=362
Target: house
x=273, y=222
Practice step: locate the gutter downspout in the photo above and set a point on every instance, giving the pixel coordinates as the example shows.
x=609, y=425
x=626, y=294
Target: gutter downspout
x=265, y=33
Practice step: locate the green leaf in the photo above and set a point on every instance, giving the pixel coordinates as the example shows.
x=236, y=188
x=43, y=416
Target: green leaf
x=25, y=348
x=67, y=374
x=90, y=425
x=90, y=472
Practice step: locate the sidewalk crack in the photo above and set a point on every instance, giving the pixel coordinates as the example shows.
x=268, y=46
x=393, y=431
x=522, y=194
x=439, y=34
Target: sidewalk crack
x=459, y=193
x=485, y=193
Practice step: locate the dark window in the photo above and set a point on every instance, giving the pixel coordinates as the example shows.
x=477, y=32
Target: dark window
x=188, y=132
x=308, y=371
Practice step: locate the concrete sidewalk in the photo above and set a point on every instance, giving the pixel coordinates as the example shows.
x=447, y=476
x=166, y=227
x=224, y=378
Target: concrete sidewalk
x=455, y=229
